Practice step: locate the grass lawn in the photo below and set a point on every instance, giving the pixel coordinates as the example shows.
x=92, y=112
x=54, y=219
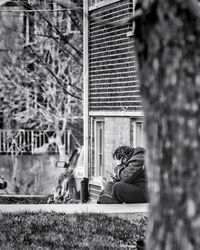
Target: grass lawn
x=61, y=231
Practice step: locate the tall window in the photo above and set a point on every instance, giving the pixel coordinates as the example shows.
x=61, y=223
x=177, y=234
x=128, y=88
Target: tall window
x=137, y=133
x=29, y=27
x=99, y=148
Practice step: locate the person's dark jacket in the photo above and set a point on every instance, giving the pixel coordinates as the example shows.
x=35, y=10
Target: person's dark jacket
x=133, y=171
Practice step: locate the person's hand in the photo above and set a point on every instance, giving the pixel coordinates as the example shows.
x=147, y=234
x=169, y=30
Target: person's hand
x=116, y=169
x=115, y=179
x=109, y=176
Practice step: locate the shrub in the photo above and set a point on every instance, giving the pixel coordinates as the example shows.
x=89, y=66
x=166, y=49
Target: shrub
x=23, y=200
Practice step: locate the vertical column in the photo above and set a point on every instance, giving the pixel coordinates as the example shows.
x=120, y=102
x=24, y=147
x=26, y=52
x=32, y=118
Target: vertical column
x=85, y=83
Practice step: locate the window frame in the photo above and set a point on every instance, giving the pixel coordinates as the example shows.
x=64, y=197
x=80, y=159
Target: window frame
x=99, y=149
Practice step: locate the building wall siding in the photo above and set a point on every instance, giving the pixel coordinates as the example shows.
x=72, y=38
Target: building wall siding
x=113, y=81
x=117, y=133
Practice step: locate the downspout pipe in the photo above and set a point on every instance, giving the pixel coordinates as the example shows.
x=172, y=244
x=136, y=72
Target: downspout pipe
x=85, y=86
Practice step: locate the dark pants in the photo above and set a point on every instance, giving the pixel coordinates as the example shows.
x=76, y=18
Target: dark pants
x=128, y=193
x=124, y=192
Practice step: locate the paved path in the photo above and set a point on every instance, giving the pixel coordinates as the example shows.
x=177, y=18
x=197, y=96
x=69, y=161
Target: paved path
x=78, y=208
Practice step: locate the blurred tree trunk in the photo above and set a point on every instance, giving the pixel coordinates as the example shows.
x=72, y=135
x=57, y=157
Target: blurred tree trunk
x=168, y=50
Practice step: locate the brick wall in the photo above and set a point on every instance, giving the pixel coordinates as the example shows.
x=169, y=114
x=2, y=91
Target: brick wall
x=113, y=82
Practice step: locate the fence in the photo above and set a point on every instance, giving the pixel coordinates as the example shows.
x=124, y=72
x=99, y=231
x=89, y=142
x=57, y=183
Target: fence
x=31, y=141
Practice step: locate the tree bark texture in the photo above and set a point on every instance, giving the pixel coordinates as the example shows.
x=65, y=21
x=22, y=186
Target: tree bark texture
x=168, y=50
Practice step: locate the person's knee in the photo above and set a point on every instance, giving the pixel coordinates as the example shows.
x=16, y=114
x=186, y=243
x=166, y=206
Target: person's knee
x=108, y=188
x=117, y=191
x=117, y=186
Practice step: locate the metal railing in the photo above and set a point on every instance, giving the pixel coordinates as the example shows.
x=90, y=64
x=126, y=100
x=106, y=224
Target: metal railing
x=31, y=141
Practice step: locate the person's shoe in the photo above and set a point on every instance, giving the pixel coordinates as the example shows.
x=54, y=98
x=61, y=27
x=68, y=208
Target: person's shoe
x=106, y=199
x=140, y=245
x=3, y=183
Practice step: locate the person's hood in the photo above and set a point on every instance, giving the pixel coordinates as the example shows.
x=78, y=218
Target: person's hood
x=137, y=157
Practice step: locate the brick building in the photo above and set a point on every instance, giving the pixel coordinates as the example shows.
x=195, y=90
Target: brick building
x=113, y=108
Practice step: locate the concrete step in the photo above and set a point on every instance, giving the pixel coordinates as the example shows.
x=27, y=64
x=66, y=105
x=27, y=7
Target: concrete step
x=127, y=211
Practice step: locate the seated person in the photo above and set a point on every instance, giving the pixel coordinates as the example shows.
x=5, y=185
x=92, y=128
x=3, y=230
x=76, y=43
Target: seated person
x=129, y=183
